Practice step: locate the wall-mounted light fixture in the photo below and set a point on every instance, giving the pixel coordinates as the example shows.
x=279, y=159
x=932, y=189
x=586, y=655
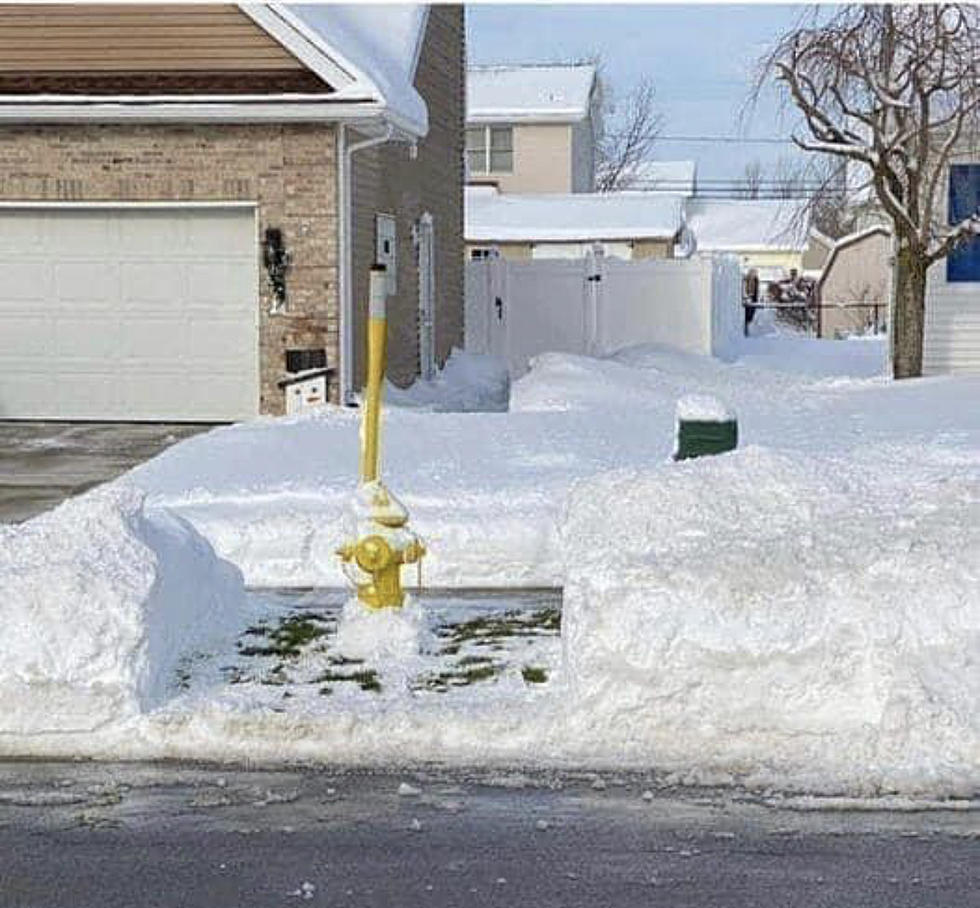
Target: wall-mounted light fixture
x=277, y=260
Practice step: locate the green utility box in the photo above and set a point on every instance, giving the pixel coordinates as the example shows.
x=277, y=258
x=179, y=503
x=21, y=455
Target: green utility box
x=705, y=426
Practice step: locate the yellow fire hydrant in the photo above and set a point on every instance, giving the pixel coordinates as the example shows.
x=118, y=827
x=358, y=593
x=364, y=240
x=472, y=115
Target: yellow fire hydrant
x=383, y=541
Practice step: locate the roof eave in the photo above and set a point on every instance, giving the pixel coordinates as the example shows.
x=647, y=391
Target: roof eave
x=529, y=117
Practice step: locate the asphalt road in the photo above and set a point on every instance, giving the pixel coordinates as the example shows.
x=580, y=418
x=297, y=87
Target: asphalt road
x=102, y=836
x=42, y=463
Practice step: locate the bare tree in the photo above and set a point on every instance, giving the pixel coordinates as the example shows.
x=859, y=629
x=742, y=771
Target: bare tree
x=895, y=89
x=620, y=148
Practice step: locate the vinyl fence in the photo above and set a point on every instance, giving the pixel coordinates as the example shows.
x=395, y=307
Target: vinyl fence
x=595, y=306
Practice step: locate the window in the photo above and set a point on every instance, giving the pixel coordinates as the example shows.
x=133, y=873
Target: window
x=490, y=149
x=963, y=263
x=481, y=252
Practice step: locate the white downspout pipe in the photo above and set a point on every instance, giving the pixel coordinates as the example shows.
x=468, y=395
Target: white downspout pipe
x=345, y=229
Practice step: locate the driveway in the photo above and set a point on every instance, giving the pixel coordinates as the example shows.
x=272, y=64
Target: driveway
x=43, y=463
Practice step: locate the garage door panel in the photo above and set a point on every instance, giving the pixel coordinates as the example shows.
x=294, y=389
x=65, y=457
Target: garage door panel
x=74, y=341
x=225, y=231
x=153, y=282
x=227, y=285
x=24, y=338
x=129, y=314
x=80, y=235
x=23, y=281
x=148, y=236
x=155, y=341
x=25, y=236
x=96, y=284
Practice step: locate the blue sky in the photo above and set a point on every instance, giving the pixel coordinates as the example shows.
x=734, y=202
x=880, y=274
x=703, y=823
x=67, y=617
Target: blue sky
x=699, y=57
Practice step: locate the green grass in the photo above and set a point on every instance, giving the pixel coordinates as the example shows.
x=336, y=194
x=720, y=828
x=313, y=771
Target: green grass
x=534, y=675
x=490, y=630
x=288, y=638
x=366, y=679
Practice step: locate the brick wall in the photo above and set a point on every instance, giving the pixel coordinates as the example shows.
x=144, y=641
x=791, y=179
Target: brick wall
x=288, y=169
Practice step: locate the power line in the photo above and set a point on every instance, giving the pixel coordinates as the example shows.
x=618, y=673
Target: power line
x=726, y=140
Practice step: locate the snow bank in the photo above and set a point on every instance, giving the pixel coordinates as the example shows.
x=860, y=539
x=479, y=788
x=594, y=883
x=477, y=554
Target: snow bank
x=468, y=382
x=809, y=622
x=703, y=408
x=99, y=601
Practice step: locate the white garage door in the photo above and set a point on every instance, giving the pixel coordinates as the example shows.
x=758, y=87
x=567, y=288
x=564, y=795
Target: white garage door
x=128, y=314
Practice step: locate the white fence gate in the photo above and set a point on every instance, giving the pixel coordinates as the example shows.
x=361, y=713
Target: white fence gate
x=595, y=306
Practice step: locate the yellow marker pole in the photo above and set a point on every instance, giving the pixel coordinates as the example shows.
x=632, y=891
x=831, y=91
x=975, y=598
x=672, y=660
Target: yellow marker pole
x=385, y=543
x=377, y=356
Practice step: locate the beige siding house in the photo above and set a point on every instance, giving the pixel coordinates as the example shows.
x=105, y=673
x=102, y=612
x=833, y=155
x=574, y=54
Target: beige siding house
x=854, y=287
x=530, y=128
x=187, y=201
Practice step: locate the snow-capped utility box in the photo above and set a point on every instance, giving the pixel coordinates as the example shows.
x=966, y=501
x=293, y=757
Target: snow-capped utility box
x=306, y=390
x=705, y=425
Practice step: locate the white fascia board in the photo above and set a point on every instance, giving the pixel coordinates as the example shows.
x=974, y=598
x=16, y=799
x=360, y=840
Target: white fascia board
x=327, y=61
x=420, y=40
x=303, y=44
x=503, y=116
x=565, y=236
x=107, y=111
x=7, y=205
x=749, y=247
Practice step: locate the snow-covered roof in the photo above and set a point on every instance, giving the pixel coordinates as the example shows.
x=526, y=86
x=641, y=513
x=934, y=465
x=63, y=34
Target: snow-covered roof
x=664, y=176
x=746, y=224
x=493, y=217
x=558, y=94
x=375, y=46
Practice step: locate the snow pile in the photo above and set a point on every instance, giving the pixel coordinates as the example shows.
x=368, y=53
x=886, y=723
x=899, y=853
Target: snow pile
x=386, y=634
x=792, y=619
x=100, y=600
x=703, y=408
x=468, y=382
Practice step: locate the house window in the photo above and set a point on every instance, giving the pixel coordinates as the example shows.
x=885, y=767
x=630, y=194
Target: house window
x=481, y=252
x=490, y=149
x=963, y=263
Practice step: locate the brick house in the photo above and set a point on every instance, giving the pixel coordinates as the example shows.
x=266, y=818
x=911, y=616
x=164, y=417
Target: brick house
x=191, y=198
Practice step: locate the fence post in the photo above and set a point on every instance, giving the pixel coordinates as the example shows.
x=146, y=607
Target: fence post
x=593, y=278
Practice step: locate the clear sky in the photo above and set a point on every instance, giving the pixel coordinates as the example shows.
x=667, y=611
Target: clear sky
x=700, y=58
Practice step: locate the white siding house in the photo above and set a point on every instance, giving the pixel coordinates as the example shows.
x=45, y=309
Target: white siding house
x=952, y=329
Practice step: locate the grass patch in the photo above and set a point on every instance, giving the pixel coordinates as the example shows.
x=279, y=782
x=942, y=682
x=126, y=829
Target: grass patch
x=288, y=638
x=461, y=676
x=533, y=675
x=366, y=679
x=488, y=630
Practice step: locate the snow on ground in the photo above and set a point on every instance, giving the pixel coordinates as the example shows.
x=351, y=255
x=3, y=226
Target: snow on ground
x=468, y=382
x=799, y=613
x=100, y=602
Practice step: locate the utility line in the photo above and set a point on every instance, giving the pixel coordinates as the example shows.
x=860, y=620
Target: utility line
x=730, y=140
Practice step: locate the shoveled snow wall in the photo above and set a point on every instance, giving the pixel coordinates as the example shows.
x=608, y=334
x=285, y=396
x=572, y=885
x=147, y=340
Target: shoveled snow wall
x=100, y=599
x=782, y=619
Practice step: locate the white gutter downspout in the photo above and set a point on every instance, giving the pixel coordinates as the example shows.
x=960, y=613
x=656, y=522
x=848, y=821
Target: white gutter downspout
x=345, y=225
